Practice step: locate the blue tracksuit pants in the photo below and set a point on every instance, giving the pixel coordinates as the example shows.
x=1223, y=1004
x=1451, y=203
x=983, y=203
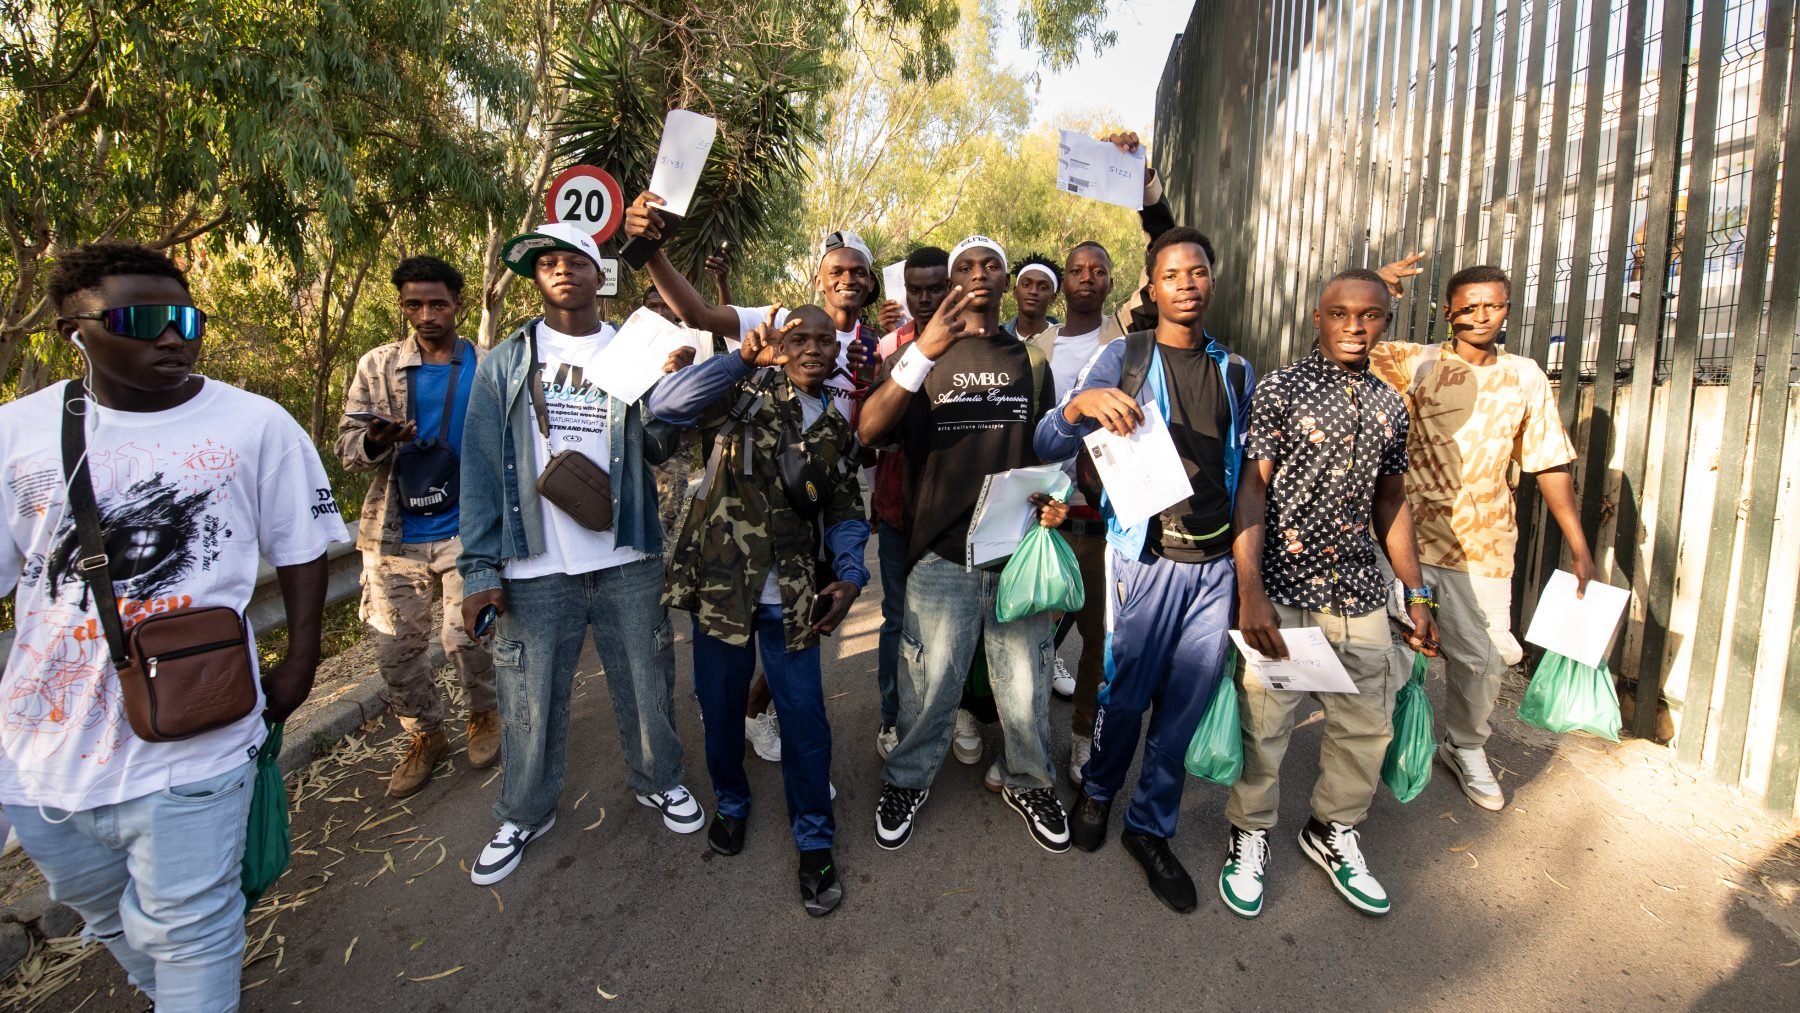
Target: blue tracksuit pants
x=1166, y=645
x=722, y=674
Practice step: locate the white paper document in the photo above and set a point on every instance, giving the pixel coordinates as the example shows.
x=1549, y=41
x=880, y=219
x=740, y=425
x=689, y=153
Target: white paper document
x=1310, y=667
x=1004, y=512
x=687, y=139
x=893, y=286
x=1093, y=168
x=1142, y=472
x=633, y=361
x=1577, y=628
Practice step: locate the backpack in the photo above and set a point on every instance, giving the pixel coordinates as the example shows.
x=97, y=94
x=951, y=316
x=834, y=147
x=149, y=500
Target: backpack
x=1140, y=346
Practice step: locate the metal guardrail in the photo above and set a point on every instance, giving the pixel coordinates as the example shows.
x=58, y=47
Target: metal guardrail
x=344, y=566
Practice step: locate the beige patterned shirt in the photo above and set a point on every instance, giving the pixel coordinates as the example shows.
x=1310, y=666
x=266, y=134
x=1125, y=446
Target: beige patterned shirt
x=1470, y=425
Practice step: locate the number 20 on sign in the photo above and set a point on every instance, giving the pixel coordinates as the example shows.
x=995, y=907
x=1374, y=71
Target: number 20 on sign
x=587, y=197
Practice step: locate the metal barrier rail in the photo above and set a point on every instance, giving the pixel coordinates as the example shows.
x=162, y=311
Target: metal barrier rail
x=344, y=580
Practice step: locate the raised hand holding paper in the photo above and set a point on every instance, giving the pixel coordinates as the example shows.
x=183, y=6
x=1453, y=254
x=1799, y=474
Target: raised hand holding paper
x=1310, y=667
x=633, y=360
x=1142, y=472
x=1578, y=628
x=1093, y=168
x=687, y=139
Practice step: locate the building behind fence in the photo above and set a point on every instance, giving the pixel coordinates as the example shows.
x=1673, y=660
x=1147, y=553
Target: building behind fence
x=1563, y=141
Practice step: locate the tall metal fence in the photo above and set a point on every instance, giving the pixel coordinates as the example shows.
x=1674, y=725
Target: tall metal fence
x=1622, y=159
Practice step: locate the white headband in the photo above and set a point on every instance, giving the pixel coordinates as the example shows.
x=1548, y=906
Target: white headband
x=1045, y=271
x=971, y=243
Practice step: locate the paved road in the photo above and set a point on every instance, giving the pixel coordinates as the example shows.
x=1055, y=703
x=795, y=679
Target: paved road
x=1567, y=899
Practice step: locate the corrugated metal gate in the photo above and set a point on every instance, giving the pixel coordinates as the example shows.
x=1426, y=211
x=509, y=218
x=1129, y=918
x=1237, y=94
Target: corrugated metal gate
x=1562, y=141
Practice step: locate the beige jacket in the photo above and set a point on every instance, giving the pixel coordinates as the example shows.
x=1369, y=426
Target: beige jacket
x=380, y=387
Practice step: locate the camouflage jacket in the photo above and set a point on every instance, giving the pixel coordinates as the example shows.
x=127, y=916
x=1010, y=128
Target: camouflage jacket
x=743, y=525
x=380, y=386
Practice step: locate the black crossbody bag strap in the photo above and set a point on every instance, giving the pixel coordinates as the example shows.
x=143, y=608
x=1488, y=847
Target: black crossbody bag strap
x=93, y=564
x=412, y=393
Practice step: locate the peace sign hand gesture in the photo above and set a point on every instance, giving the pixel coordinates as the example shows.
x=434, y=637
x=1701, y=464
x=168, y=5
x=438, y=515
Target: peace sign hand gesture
x=947, y=326
x=762, y=346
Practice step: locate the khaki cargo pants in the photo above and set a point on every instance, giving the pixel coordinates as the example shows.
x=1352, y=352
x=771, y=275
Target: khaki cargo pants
x=1358, y=726
x=396, y=605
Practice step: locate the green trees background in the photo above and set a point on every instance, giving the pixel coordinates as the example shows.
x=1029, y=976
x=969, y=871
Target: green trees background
x=289, y=154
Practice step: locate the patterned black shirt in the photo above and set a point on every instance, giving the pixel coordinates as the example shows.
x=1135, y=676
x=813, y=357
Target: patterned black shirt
x=1330, y=433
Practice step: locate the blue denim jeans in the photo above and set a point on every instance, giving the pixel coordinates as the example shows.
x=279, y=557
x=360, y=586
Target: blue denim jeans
x=949, y=609
x=539, y=641
x=722, y=675
x=159, y=881
x=891, y=544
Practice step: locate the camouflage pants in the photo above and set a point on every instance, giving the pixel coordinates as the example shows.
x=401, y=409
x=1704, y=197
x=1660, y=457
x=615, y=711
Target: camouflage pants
x=672, y=477
x=396, y=605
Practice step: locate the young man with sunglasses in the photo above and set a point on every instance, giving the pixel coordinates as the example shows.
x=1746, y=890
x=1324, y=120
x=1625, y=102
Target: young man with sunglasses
x=1479, y=417
x=195, y=482
x=395, y=408
x=769, y=559
x=550, y=566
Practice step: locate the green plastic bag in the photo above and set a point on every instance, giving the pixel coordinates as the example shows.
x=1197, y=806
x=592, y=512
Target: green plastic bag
x=1041, y=576
x=1407, y=768
x=1217, y=752
x=1568, y=696
x=268, y=840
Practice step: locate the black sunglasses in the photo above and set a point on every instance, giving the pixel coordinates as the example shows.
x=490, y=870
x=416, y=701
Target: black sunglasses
x=147, y=323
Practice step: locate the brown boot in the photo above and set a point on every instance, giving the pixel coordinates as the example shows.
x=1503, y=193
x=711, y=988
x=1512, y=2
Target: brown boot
x=484, y=738
x=414, y=769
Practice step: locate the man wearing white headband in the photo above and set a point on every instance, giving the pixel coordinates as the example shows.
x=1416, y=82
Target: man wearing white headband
x=845, y=280
x=962, y=403
x=1035, y=283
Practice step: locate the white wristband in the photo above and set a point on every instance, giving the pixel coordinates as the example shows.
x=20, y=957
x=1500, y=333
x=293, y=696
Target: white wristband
x=911, y=370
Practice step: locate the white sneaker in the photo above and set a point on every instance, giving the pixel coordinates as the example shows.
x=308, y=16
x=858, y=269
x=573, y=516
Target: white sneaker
x=886, y=740
x=679, y=810
x=1061, y=682
x=994, y=780
x=1081, y=748
x=1473, y=775
x=764, y=735
x=502, y=854
x=1241, y=880
x=967, y=744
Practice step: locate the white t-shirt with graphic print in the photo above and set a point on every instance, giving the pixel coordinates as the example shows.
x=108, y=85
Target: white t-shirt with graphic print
x=191, y=498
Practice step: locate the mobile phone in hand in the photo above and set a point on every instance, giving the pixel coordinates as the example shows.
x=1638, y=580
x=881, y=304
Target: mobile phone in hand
x=821, y=608
x=484, y=621
x=368, y=417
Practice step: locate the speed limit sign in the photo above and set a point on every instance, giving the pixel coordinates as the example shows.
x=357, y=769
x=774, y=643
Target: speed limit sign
x=587, y=197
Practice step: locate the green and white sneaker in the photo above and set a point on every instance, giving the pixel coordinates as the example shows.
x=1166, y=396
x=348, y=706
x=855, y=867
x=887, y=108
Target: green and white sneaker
x=1334, y=847
x=1241, y=880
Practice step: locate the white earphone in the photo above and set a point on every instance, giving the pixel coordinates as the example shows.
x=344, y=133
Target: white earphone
x=75, y=339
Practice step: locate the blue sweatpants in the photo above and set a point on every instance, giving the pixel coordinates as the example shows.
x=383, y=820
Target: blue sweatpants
x=1166, y=645
x=722, y=674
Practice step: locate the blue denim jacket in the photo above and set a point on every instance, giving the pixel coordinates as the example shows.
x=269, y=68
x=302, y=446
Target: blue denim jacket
x=1058, y=440
x=501, y=517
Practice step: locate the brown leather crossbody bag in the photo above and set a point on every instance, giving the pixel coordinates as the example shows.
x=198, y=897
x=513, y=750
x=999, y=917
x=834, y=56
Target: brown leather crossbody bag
x=181, y=672
x=571, y=481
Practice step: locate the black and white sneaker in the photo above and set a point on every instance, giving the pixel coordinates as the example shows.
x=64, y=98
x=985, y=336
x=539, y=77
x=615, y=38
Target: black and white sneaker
x=680, y=812
x=502, y=854
x=894, y=814
x=1044, y=817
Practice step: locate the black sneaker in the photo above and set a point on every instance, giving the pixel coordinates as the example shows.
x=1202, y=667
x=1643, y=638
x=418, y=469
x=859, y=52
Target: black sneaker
x=894, y=814
x=1087, y=828
x=1043, y=817
x=1168, y=880
x=727, y=833
x=820, y=889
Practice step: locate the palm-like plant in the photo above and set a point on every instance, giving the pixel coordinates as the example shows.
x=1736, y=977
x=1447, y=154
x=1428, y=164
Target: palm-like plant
x=759, y=73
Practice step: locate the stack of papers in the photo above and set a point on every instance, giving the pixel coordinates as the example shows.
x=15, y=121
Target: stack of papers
x=1004, y=512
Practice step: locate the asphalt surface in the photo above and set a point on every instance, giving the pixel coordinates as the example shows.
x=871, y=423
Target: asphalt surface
x=1568, y=899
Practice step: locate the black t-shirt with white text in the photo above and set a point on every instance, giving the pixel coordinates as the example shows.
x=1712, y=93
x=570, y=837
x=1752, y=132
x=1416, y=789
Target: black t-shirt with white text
x=974, y=417
x=1198, y=528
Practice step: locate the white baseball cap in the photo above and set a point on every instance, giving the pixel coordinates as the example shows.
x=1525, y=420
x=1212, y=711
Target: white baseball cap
x=521, y=252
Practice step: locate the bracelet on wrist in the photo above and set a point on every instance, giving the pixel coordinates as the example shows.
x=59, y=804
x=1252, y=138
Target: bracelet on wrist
x=1426, y=596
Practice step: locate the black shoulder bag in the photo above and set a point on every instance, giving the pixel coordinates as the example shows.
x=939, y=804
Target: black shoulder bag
x=428, y=473
x=181, y=672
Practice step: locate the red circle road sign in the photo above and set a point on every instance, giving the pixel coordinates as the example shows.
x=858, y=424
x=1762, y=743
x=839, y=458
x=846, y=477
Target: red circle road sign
x=587, y=197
